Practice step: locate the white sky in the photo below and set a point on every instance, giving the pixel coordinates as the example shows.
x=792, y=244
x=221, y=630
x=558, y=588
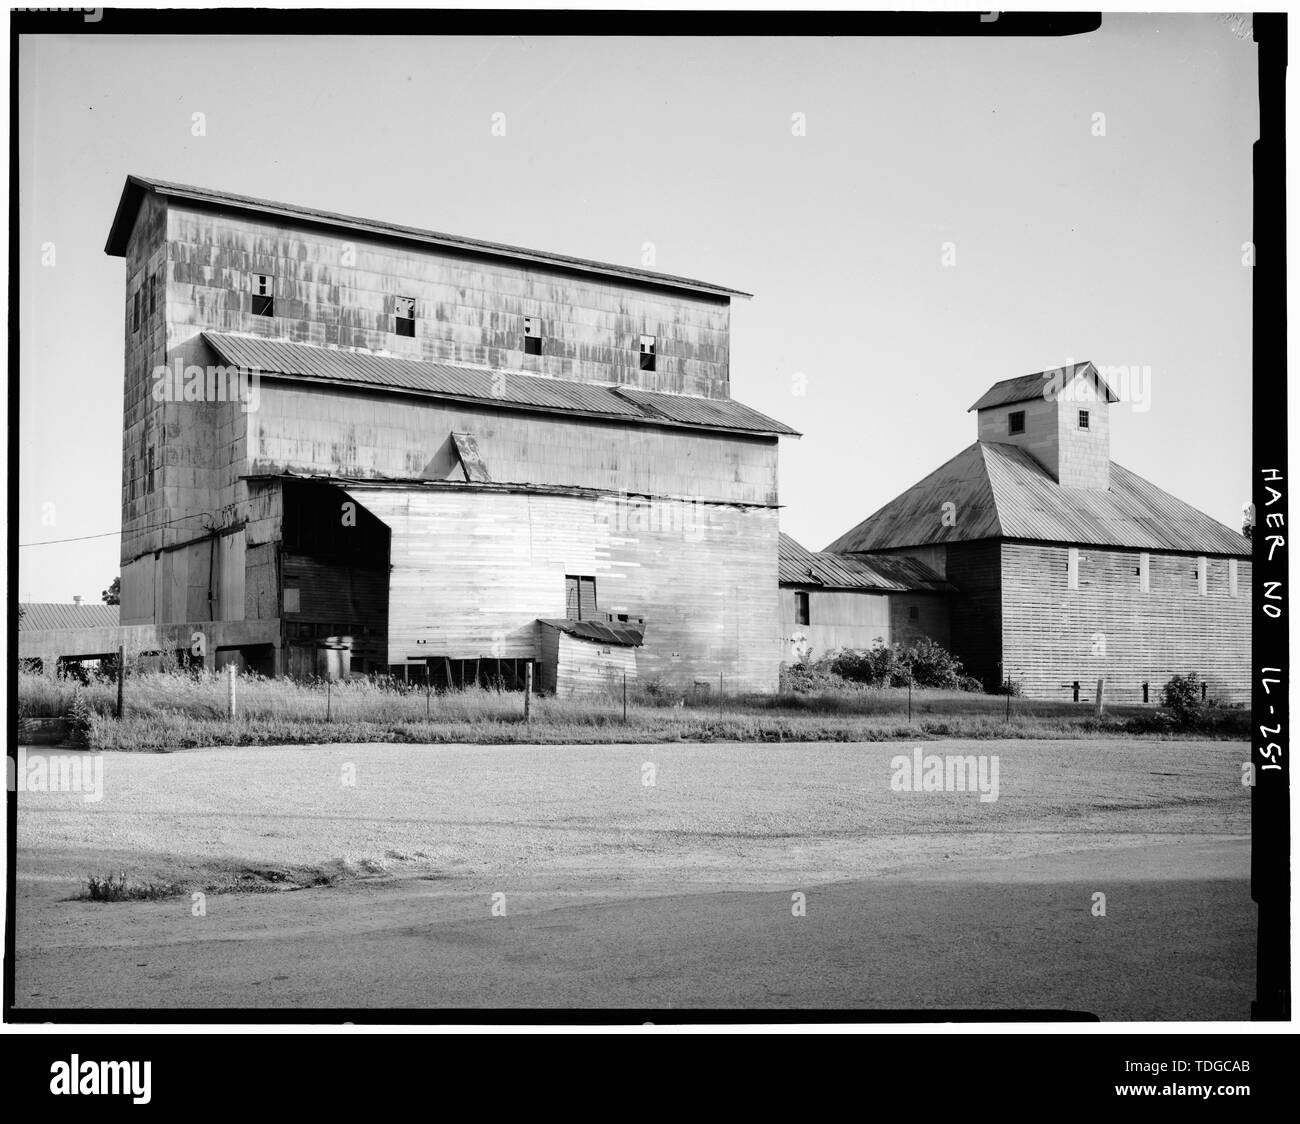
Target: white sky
x=1125, y=249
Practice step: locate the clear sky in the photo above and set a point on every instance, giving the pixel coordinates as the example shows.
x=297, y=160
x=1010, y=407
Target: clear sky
x=1123, y=248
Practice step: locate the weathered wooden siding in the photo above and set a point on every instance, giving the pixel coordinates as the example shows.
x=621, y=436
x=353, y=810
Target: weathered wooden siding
x=375, y=436
x=333, y=289
x=585, y=668
x=857, y=619
x=931, y=621
x=837, y=619
x=472, y=572
x=1108, y=627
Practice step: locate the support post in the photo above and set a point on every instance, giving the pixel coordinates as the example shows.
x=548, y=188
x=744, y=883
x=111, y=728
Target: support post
x=1101, y=688
x=230, y=690
x=121, y=678
x=528, y=691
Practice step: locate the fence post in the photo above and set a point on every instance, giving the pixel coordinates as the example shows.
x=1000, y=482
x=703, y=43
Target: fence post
x=1008, y=717
x=428, y=689
x=528, y=691
x=1076, y=690
x=230, y=694
x=909, y=699
x=625, y=698
x=328, y=699
x=1146, y=690
x=1101, y=687
x=121, y=678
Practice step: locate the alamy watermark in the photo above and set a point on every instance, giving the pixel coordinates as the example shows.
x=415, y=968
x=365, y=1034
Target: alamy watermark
x=924, y=772
x=57, y=772
x=179, y=383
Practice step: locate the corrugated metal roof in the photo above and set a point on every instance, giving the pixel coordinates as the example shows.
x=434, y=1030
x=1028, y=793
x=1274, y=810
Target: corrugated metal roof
x=136, y=186
x=602, y=632
x=43, y=615
x=1024, y=388
x=500, y=388
x=1001, y=491
x=800, y=566
x=713, y=413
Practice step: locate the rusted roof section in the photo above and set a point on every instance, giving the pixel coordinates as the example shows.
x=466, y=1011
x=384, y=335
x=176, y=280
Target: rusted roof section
x=625, y=635
x=479, y=384
x=800, y=566
x=712, y=413
x=136, y=188
x=1038, y=385
x=1001, y=491
x=46, y=615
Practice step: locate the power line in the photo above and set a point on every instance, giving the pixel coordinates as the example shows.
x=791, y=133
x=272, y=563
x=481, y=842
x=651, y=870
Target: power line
x=109, y=534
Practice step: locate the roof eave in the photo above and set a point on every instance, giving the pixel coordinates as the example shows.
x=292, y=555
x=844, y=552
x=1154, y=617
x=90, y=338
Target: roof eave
x=136, y=186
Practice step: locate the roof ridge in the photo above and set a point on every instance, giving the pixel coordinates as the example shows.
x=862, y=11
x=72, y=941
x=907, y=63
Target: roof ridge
x=136, y=186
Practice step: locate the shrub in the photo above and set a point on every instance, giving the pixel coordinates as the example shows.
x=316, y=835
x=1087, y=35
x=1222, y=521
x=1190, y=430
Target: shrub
x=1182, y=694
x=119, y=888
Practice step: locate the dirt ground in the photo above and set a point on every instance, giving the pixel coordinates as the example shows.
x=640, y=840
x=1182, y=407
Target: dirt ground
x=748, y=876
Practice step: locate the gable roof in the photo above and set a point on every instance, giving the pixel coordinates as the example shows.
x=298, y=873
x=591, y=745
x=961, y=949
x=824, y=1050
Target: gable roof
x=1001, y=491
x=43, y=615
x=305, y=362
x=136, y=187
x=1024, y=388
x=800, y=566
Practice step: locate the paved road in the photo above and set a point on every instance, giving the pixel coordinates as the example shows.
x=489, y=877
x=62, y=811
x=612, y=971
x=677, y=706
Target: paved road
x=1176, y=942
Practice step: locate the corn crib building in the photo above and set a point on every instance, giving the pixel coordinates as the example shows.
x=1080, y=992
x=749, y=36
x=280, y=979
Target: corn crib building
x=1037, y=559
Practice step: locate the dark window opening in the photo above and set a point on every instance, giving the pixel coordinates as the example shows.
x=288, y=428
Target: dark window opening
x=153, y=294
x=404, y=316
x=149, y=470
x=913, y=613
x=532, y=335
x=263, y=295
x=1016, y=421
x=801, y=614
x=135, y=311
x=647, y=353
x=579, y=597
x=1083, y=419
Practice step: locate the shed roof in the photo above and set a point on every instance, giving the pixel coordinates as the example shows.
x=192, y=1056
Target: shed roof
x=481, y=384
x=800, y=566
x=1001, y=491
x=44, y=615
x=136, y=187
x=1024, y=388
x=625, y=635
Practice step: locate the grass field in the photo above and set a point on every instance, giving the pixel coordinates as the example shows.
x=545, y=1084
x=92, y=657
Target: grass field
x=181, y=710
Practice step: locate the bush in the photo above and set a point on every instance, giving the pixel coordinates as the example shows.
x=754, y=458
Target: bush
x=1182, y=694
x=924, y=664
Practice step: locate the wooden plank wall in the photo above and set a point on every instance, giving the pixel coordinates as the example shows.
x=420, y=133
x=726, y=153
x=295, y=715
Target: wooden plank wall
x=472, y=572
x=837, y=619
x=308, y=429
x=338, y=289
x=1109, y=627
x=587, y=668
